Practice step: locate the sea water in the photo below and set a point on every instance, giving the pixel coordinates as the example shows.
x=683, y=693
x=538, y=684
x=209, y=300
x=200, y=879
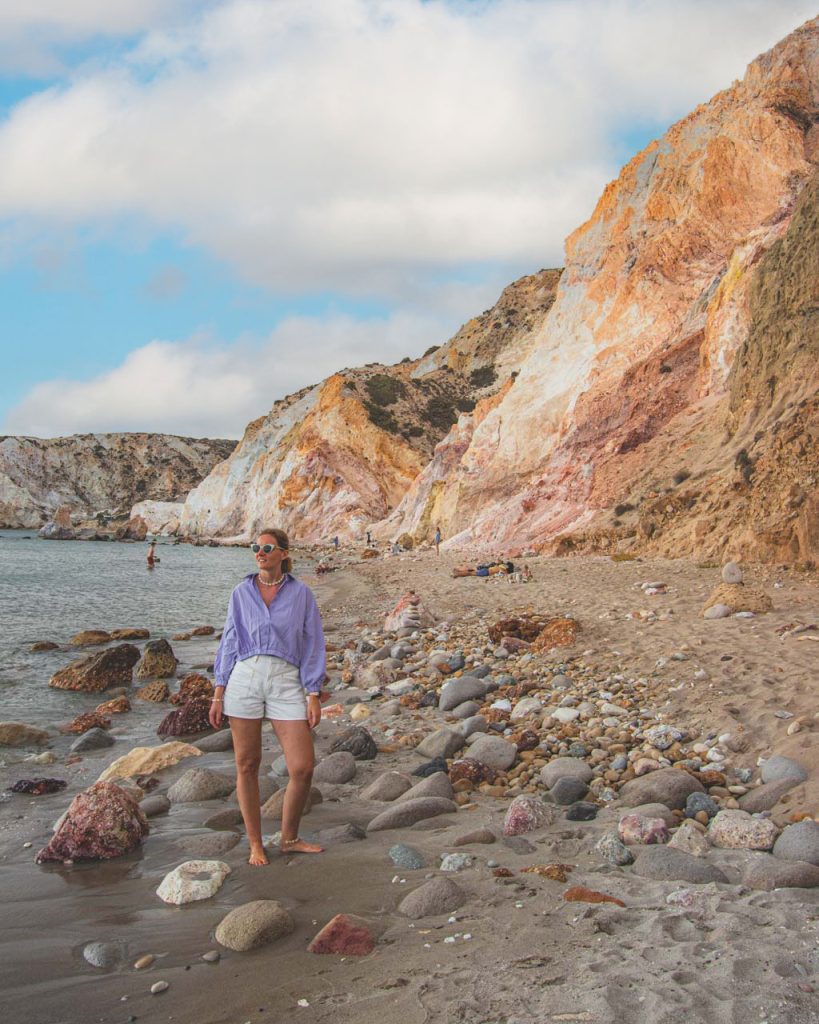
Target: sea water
x=50, y=590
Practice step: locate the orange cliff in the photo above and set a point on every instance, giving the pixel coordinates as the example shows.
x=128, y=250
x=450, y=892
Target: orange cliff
x=632, y=387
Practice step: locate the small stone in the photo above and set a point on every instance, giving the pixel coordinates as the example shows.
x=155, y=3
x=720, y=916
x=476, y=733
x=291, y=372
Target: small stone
x=700, y=803
x=767, y=873
x=155, y=804
x=441, y=743
x=212, y=956
x=144, y=961
x=456, y=862
x=254, y=924
x=494, y=752
x=105, y=955
x=200, y=784
x=93, y=739
x=526, y=813
x=346, y=935
x=159, y=986
x=717, y=611
x=613, y=851
x=407, y=857
x=582, y=811
x=669, y=786
x=568, y=790
x=479, y=835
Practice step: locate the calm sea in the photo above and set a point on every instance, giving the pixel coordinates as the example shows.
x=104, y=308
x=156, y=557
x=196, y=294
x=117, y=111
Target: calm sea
x=50, y=590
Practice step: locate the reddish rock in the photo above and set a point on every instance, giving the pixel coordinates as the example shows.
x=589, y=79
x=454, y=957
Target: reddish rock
x=38, y=787
x=98, y=672
x=102, y=822
x=636, y=830
x=471, y=770
x=526, y=813
x=188, y=719
x=344, y=934
x=156, y=692
x=580, y=894
x=117, y=706
x=523, y=627
x=90, y=638
x=528, y=739
x=408, y=613
x=88, y=720
x=192, y=687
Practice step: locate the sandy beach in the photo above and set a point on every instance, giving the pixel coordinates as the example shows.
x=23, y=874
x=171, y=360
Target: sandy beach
x=739, y=691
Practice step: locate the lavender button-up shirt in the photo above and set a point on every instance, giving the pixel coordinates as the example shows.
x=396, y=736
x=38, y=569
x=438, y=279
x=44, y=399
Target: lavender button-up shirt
x=290, y=629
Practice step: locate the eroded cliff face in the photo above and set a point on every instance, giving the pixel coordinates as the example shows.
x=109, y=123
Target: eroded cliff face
x=669, y=401
x=91, y=473
x=338, y=457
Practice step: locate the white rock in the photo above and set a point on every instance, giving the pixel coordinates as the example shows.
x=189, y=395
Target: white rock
x=194, y=880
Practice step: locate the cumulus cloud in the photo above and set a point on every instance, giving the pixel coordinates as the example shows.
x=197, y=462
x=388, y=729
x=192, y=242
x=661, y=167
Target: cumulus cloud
x=364, y=145
x=202, y=388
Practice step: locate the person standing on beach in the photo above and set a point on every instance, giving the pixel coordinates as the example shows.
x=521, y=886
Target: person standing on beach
x=271, y=664
x=151, y=554
x=437, y=540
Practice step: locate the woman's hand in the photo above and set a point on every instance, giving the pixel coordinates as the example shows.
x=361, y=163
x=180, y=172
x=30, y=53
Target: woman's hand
x=313, y=710
x=215, y=710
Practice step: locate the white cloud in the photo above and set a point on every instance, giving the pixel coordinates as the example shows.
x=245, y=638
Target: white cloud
x=202, y=388
x=360, y=145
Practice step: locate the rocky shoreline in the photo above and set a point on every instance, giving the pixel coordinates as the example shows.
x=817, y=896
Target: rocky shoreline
x=573, y=799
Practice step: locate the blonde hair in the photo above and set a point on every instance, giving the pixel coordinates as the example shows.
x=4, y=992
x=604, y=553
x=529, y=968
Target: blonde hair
x=283, y=541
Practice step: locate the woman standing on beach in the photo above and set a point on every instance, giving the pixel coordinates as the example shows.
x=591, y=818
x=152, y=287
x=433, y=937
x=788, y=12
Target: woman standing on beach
x=271, y=664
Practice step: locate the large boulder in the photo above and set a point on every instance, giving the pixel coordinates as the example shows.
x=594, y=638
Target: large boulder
x=799, y=842
x=665, y=864
x=669, y=786
x=438, y=896
x=157, y=662
x=254, y=924
x=408, y=812
x=102, y=822
x=97, y=672
x=357, y=741
x=18, y=734
x=456, y=691
x=200, y=784
x=147, y=760
x=767, y=873
x=494, y=752
x=335, y=769
x=187, y=720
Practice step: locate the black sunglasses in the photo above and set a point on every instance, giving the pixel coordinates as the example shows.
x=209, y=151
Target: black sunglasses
x=266, y=548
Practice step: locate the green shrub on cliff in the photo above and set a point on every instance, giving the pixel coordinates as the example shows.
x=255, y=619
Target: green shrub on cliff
x=384, y=390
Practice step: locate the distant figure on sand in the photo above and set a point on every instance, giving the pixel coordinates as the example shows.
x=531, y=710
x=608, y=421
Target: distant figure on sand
x=436, y=540
x=335, y=543
x=271, y=664
x=152, y=554
x=369, y=538
x=497, y=568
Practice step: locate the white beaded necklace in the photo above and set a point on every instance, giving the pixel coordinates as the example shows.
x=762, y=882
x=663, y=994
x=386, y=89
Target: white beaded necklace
x=270, y=583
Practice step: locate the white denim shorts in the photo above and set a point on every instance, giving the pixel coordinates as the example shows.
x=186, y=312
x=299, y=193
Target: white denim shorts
x=264, y=686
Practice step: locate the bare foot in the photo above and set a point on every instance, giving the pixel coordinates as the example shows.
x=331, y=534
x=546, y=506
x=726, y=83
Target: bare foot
x=258, y=858
x=300, y=846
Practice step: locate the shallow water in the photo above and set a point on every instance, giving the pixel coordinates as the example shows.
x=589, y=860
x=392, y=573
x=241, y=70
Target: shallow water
x=50, y=590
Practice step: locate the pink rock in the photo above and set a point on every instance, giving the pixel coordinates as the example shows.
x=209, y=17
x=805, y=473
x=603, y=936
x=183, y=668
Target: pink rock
x=525, y=814
x=635, y=830
x=101, y=822
x=645, y=765
x=408, y=613
x=345, y=934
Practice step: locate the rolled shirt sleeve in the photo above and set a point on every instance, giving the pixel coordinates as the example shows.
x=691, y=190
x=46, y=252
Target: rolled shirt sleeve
x=313, y=667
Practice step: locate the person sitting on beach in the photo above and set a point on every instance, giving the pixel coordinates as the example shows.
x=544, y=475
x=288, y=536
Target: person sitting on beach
x=484, y=569
x=271, y=664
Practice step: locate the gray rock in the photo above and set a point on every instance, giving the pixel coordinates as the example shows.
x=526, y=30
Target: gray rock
x=665, y=864
x=200, y=784
x=254, y=924
x=767, y=873
x=669, y=786
x=407, y=857
x=386, y=787
x=336, y=768
x=717, y=611
x=731, y=573
x=799, y=842
x=441, y=743
x=438, y=896
x=697, y=802
x=279, y=767
x=105, y=955
x=94, y=739
x=229, y=818
x=689, y=839
x=456, y=691
x=456, y=862
x=478, y=835
x=613, y=851
x=565, y=767
x=408, y=813
x=568, y=790
x=468, y=709
x=155, y=804
x=766, y=796
x=347, y=833
x=777, y=767
x=582, y=810
x=518, y=844
x=475, y=724
x=211, y=844
x=433, y=785
x=494, y=752
x=216, y=743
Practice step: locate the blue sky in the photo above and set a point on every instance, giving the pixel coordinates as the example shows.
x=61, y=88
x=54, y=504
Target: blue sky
x=207, y=205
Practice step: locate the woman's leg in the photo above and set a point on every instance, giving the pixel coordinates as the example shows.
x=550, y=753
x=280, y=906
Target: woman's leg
x=247, y=746
x=297, y=745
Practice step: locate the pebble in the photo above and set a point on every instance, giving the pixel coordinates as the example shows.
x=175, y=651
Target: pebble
x=159, y=986
x=455, y=861
x=144, y=961
x=613, y=851
x=212, y=956
x=407, y=857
